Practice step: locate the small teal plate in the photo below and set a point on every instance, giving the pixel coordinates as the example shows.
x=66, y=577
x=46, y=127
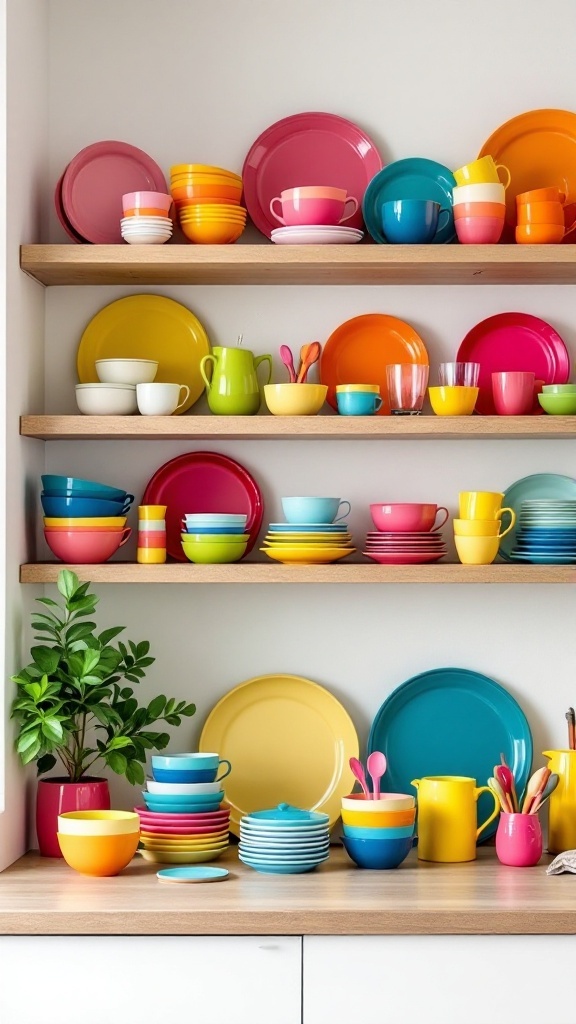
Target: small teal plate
x=414, y=178
x=550, y=486
x=450, y=721
x=195, y=874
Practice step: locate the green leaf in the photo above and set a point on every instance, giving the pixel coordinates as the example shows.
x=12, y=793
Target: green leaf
x=79, y=630
x=48, y=601
x=45, y=763
x=91, y=660
x=108, y=634
x=31, y=752
x=34, y=690
x=27, y=739
x=118, y=742
x=142, y=649
x=172, y=719
x=189, y=710
x=156, y=706
x=46, y=658
x=68, y=583
x=135, y=772
x=117, y=762
x=126, y=692
x=52, y=730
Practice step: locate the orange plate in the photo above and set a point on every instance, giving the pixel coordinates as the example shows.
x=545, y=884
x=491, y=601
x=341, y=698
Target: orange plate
x=539, y=148
x=359, y=351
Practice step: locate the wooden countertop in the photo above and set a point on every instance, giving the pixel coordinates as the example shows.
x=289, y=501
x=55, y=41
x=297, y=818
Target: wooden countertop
x=44, y=897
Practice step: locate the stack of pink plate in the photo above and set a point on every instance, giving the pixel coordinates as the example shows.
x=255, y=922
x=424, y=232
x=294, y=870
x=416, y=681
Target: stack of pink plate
x=406, y=534
x=183, y=838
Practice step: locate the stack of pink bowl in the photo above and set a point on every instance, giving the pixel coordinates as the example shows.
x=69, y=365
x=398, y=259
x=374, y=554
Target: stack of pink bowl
x=406, y=534
x=314, y=215
x=84, y=520
x=146, y=219
x=479, y=213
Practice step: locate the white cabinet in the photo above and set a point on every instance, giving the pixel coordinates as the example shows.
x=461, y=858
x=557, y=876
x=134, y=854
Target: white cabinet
x=439, y=979
x=156, y=979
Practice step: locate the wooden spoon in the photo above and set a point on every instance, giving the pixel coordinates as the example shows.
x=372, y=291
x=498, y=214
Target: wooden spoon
x=502, y=797
x=309, y=354
x=539, y=779
x=288, y=360
x=546, y=792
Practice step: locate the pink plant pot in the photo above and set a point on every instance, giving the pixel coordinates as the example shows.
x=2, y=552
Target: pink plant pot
x=55, y=796
x=313, y=211
x=513, y=392
x=519, y=840
x=479, y=230
x=407, y=517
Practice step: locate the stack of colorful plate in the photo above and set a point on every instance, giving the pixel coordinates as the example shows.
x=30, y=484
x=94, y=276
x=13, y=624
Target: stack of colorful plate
x=546, y=533
x=404, y=548
x=284, y=840
x=308, y=543
x=183, y=824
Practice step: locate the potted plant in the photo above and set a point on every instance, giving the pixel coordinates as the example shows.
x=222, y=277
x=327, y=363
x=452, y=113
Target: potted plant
x=73, y=706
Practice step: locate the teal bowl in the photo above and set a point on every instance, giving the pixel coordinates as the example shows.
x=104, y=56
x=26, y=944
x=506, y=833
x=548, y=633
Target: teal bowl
x=75, y=486
x=558, y=405
x=357, y=832
x=185, y=798
x=192, y=807
x=377, y=854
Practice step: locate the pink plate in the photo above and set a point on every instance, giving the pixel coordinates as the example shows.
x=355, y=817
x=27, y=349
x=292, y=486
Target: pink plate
x=194, y=819
x=308, y=149
x=514, y=341
x=204, y=482
x=153, y=831
x=404, y=557
x=95, y=181
x=62, y=216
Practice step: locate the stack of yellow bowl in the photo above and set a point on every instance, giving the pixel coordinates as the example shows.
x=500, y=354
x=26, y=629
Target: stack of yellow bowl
x=207, y=200
x=98, y=842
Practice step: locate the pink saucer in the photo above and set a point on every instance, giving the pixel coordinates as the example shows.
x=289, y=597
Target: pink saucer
x=182, y=830
x=404, y=558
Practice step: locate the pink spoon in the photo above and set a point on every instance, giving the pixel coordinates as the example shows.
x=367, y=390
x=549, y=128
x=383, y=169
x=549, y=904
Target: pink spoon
x=376, y=765
x=358, y=773
x=288, y=360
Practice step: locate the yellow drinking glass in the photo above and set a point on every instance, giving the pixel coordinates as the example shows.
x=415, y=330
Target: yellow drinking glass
x=152, y=511
x=477, y=550
x=481, y=505
x=482, y=527
x=151, y=556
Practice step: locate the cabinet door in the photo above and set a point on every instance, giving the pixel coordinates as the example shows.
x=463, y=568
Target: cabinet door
x=439, y=979
x=155, y=979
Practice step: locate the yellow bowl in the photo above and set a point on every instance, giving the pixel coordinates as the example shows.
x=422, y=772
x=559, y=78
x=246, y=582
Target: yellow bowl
x=379, y=819
x=295, y=399
x=453, y=401
x=213, y=232
x=98, y=855
x=89, y=523
x=179, y=169
x=477, y=550
x=202, y=215
x=98, y=823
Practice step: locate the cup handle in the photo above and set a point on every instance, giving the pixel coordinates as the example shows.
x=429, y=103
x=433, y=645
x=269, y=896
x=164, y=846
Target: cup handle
x=127, y=503
x=203, y=362
x=344, y=514
x=126, y=533
x=224, y=761
x=347, y=216
x=379, y=405
x=273, y=211
x=441, y=508
x=186, y=397
x=511, y=524
x=443, y=213
x=264, y=359
x=495, y=812
x=502, y=167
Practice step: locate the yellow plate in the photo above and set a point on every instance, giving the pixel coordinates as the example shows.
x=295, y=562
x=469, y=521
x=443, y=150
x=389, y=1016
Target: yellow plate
x=157, y=857
x=306, y=555
x=147, y=327
x=118, y=521
x=288, y=739
x=150, y=844
x=286, y=540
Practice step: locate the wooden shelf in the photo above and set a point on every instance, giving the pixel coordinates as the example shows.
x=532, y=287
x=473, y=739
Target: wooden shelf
x=42, y=896
x=299, y=264
x=399, y=428
x=260, y=572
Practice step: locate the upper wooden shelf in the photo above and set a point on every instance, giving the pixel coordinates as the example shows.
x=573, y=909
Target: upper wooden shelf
x=399, y=428
x=299, y=264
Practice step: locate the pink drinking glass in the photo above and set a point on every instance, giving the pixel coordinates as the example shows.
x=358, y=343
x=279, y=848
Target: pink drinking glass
x=407, y=383
x=460, y=375
x=513, y=392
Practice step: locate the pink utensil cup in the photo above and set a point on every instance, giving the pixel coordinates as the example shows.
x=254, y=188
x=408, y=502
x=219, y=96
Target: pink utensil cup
x=519, y=840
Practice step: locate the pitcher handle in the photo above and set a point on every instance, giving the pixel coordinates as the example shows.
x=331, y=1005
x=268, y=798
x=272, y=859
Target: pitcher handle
x=262, y=359
x=203, y=361
x=415, y=783
x=495, y=812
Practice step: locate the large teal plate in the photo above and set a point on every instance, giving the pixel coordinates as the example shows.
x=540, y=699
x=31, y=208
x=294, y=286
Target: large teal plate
x=451, y=721
x=414, y=178
x=550, y=486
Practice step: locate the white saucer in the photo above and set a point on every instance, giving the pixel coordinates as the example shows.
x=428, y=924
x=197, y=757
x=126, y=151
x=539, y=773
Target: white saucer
x=316, y=235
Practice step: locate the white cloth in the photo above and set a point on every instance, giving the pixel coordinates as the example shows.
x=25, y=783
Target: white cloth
x=563, y=862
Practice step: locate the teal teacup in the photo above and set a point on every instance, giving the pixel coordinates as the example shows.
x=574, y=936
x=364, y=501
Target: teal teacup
x=314, y=510
x=358, y=403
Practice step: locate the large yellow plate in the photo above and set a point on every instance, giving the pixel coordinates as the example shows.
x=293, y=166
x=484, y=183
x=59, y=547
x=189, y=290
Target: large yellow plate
x=306, y=555
x=147, y=327
x=288, y=740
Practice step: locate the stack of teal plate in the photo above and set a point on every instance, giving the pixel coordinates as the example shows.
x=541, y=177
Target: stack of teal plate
x=284, y=840
x=546, y=533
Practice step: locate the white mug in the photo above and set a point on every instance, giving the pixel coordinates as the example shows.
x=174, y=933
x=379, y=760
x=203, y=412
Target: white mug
x=160, y=399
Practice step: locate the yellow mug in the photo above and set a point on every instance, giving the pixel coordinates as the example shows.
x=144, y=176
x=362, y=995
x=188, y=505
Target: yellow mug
x=477, y=550
x=481, y=172
x=447, y=818
x=482, y=527
x=151, y=556
x=482, y=505
x=152, y=511
x=562, y=818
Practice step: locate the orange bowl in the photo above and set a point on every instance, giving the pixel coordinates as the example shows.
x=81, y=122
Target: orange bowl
x=143, y=212
x=205, y=213
x=379, y=819
x=178, y=170
x=539, y=234
x=213, y=193
x=540, y=213
x=212, y=232
x=479, y=210
x=98, y=855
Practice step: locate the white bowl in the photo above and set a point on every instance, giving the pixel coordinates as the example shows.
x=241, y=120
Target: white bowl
x=487, y=192
x=146, y=222
x=141, y=238
x=126, y=371
x=183, y=788
x=106, y=399
x=392, y=802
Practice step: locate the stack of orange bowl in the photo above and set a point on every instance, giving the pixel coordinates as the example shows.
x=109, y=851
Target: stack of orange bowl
x=208, y=203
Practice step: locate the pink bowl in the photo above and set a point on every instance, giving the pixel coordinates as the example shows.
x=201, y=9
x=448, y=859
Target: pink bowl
x=150, y=200
x=407, y=517
x=479, y=230
x=86, y=547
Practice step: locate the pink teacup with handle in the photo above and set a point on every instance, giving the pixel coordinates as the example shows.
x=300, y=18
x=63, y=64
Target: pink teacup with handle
x=302, y=207
x=407, y=517
x=513, y=392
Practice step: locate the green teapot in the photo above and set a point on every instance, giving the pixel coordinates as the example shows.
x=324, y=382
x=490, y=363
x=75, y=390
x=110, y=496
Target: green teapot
x=234, y=389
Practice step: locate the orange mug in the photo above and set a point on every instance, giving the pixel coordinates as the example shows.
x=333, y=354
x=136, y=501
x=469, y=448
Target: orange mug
x=541, y=234
x=541, y=213
x=541, y=195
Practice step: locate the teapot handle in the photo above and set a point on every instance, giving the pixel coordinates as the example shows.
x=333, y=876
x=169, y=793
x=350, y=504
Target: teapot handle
x=203, y=361
x=261, y=359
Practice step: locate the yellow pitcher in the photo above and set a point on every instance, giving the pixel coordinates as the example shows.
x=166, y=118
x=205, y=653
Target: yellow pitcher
x=562, y=820
x=446, y=826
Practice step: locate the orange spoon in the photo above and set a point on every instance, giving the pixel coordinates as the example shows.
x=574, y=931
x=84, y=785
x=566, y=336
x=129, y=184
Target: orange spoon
x=309, y=354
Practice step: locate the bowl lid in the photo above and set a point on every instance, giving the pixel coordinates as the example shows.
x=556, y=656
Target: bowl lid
x=285, y=813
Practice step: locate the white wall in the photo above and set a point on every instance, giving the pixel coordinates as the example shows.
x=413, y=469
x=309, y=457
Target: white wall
x=423, y=79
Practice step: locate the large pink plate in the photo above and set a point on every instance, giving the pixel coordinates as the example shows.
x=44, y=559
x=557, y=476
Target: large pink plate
x=514, y=341
x=404, y=557
x=204, y=482
x=308, y=149
x=95, y=181
x=62, y=216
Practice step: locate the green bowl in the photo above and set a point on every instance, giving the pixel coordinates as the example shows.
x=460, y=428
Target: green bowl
x=215, y=538
x=559, y=405
x=210, y=554
x=559, y=389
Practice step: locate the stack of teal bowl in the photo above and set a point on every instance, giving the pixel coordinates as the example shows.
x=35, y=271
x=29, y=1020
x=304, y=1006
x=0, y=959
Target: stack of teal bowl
x=215, y=537
x=84, y=520
x=378, y=833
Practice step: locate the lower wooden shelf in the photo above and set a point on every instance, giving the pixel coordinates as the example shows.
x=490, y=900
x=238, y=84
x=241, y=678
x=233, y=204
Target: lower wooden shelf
x=246, y=572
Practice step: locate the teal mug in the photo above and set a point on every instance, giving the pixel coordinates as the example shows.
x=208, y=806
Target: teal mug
x=358, y=403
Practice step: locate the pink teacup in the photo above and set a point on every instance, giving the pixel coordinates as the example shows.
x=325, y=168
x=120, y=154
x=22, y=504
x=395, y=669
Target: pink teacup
x=319, y=211
x=513, y=392
x=479, y=230
x=519, y=840
x=408, y=517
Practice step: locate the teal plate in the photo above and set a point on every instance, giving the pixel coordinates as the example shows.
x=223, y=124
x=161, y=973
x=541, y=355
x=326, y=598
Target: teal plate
x=414, y=178
x=196, y=874
x=544, y=559
x=451, y=721
x=550, y=486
